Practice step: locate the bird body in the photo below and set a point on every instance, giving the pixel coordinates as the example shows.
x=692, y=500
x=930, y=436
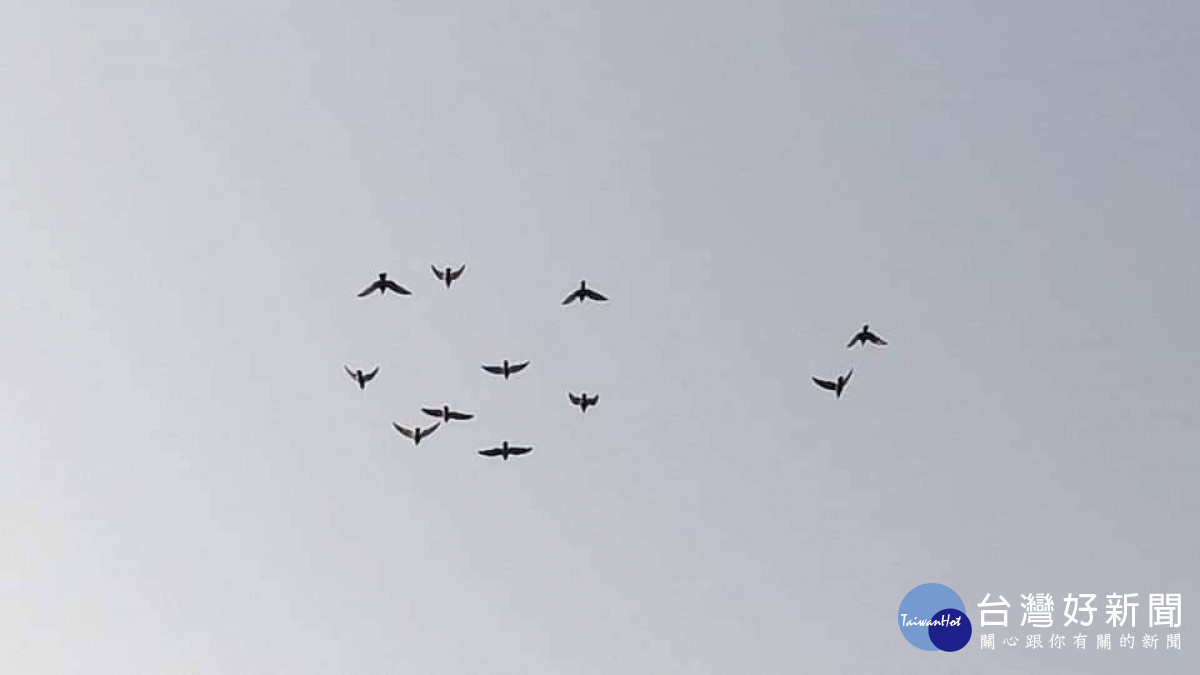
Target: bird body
x=864, y=336
x=837, y=386
x=360, y=377
x=448, y=275
x=582, y=293
x=505, y=451
x=416, y=433
x=506, y=368
x=383, y=285
x=583, y=400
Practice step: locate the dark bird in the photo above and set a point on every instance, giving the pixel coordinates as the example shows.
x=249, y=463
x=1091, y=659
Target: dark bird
x=865, y=335
x=383, y=285
x=581, y=293
x=835, y=386
x=360, y=377
x=447, y=275
x=506, y=369
x=445, y=413
x=416, y=433
x=504, y=451
x=583, y=400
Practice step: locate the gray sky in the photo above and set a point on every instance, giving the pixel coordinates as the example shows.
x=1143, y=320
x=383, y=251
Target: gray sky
x=190, y=198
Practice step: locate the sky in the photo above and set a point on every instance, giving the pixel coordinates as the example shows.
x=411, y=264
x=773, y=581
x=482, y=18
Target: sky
x=191, y=196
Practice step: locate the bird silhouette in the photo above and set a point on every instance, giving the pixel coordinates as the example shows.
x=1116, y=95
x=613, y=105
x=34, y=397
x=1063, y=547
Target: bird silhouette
x=864, y=336
x=581, y=293
x=383, y=285
x=445, y=413
x=447, y=275
x=505, y=450
x=835, y=386
x=583, y=400
x=506, y=369
x=360, y=377
x=416, y=433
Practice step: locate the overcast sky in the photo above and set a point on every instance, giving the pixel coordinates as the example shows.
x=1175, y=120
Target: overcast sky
x=191, y=195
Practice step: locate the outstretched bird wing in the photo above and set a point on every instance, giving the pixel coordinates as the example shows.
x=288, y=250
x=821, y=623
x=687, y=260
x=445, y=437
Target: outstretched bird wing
x=435, y=412
x=438, y=273
x=393, y=286
x=457, y=273
x=593, y=294
x=408, y=433
x=460, y=415
x=825, y=384
x=593, y=400
x=430, y=430
x=853, y=340
x=350, y=373
x=851, y=372
x=369, y=289
x=495, y=370
x=518, y=451
x=876, y=339
x=367, y=377
x=574, y=294
x=492, y=452
x=574, y=399
x=517, y=367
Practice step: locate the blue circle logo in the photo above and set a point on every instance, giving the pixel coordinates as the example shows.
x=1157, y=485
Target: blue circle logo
x=932, y=617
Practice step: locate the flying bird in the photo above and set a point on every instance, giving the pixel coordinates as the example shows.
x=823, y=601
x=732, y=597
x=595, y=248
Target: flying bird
x=506, y=369
x=416, y=433
x=448, y=275
x=583, y=400
x=383, y=285
x=835, y=386
x=864, y=336
x=505, y=450
x=581, y=293
x=445, y=413
x=360, y=377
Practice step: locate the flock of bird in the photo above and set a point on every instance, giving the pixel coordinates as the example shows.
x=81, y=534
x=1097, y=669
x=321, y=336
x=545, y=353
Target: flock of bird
x=506, y=369
x=861, y=338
